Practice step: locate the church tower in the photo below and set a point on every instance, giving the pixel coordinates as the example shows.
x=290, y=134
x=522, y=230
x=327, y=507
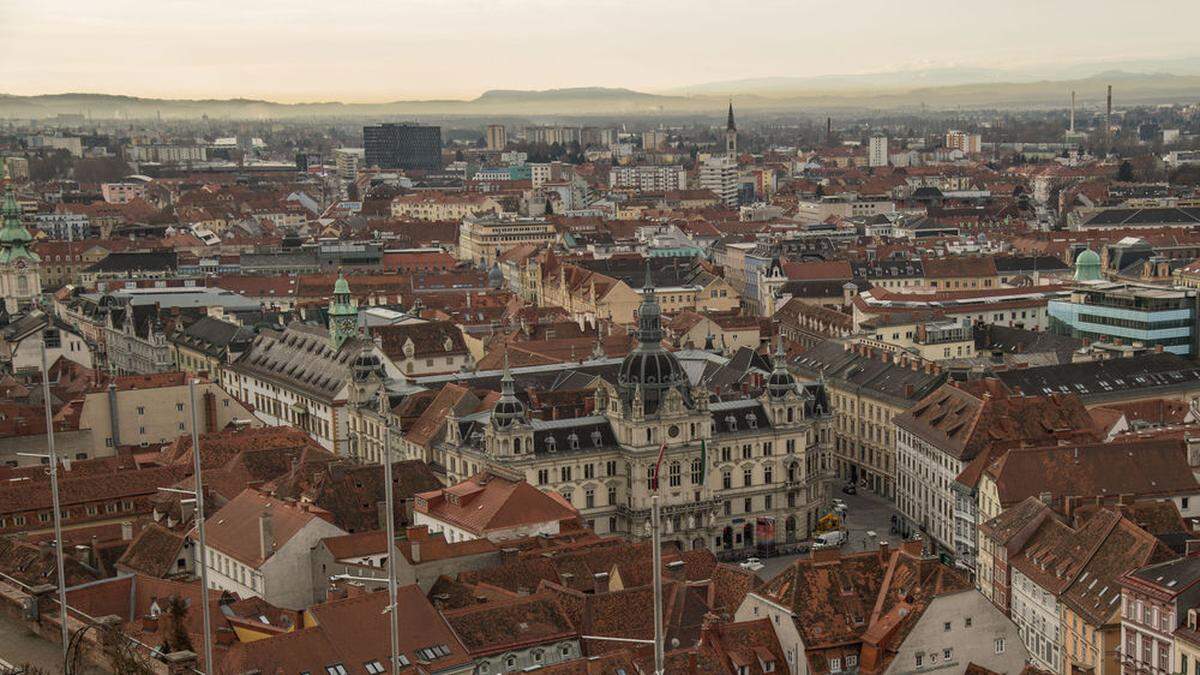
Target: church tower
x=343, y=314
x=731, y=134
x=20, y=279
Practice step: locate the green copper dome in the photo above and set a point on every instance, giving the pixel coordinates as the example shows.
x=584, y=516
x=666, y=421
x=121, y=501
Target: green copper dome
x=13, y=232
x=1087, y=266
x=341, y=287
x=14, y=238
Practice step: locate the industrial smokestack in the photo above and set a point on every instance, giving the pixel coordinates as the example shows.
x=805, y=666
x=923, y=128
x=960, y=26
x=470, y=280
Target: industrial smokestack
x=1108, y=122
x=828, y=130
x=1072, y=111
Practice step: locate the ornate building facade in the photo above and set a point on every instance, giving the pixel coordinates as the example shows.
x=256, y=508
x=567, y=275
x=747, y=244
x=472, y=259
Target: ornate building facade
x=734, y=474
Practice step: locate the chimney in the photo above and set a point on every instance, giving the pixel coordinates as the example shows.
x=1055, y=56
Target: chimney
x=1072, y=111
x=601, y=582
x=885, y=552
x=1193, y=451
x=675, y=570
x=266, y=534
x=210, y=412
x=127, y=530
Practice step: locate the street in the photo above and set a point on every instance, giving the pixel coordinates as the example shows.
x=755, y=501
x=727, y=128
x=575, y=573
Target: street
x=866, y=512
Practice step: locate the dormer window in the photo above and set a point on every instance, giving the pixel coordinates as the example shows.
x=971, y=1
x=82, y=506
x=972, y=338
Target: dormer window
x=551, y=443
x=731, y=422
x=596, y=438
x=751, y=420
x=573, y=440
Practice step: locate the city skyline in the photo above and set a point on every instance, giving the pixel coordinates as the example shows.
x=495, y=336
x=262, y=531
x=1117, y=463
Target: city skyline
x=192, y=50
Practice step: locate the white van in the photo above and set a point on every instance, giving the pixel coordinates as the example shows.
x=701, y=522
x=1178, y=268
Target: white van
x=830, y=539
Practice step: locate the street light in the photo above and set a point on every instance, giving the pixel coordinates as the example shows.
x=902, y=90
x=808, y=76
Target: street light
x=52, y=455
x=393, y=616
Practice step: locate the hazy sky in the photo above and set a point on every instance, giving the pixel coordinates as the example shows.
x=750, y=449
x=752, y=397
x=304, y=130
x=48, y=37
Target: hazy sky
x=384, y=50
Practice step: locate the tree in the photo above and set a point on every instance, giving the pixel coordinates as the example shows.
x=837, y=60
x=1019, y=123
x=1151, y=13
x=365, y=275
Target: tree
x=177, y=638
x=1125, y=172
x=121, y=654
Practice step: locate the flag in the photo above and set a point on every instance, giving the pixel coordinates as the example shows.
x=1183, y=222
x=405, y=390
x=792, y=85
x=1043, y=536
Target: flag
x=703, y=460
x=662, y=450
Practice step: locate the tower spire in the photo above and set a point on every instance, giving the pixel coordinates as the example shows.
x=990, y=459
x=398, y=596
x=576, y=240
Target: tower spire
x=729, y=125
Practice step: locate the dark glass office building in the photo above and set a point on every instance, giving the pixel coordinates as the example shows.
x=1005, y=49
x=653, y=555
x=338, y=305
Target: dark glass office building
x=403, y=146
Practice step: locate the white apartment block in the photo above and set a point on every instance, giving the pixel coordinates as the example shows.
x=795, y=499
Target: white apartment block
x=719, y=175
x=648, y=178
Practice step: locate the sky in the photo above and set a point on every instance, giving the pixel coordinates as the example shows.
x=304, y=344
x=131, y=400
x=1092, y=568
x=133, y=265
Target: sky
x=386, y=50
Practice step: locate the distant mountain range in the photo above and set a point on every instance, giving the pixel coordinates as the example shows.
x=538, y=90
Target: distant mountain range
x=931, y=89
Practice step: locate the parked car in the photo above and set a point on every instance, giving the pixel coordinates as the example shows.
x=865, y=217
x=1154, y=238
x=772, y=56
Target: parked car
x=850, y=489
x=752, y=564
x=839, y=507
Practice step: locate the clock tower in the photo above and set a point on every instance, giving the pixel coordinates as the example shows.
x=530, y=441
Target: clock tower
x=20, y=278
x=343, y=314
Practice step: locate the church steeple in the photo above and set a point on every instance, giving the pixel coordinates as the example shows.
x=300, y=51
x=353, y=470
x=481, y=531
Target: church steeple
x=20, y=283
x=730, y=133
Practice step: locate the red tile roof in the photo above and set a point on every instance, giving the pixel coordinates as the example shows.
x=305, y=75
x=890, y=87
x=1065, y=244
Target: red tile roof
x=488, y=503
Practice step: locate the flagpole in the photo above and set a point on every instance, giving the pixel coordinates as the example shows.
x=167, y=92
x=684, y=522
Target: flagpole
x=659, y=666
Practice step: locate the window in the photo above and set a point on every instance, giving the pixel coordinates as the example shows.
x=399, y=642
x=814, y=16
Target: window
x=373, y=667
x=967, y=622
x=726, y=480
x=946, y=653
x=612, y=494
x=767, y=474
x=589, y=498
x=946, y=627
x=141, y=410
x=999, y=645
x=543, y=476
x=336, y=669
x=564, y=473
x=920, y=659
x=748, y=476
x=697, y=471
x=675, y=474
x=851, y=660
x=835, y=665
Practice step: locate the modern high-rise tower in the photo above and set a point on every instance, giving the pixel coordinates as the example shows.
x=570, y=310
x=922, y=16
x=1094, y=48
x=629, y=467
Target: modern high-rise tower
x=403, y=146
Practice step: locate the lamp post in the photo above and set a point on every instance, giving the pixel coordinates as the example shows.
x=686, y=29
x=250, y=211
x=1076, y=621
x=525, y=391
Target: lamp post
x=52, y=454
x=198, y=497
x=393, y=615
